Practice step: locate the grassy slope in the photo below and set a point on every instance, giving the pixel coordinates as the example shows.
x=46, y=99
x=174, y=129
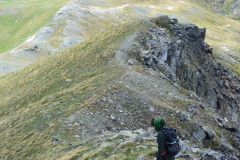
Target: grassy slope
x=30, y=17
x=219, y=7
x=25, y=21
x=219, y=29
x=31, y=105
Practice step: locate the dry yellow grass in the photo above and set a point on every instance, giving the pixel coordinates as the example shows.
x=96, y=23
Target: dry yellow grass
x=34, y=99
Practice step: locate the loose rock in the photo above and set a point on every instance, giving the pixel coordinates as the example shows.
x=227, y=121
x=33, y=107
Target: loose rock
x=229, y=125
x=209, y=154
x=199, y=134
x=130, y=62
x=138, y=139
x=68, y=80
x=112, y=117
x=55, y=139
x=184, y=116
x=209, y=132
x=146, y=134
x=225, y=148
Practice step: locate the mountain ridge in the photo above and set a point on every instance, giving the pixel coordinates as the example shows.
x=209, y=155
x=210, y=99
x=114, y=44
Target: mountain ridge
x=51, y=108
x=67, y=31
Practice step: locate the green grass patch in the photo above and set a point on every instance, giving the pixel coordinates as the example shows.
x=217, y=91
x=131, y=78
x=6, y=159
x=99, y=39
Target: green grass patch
x=22, y=19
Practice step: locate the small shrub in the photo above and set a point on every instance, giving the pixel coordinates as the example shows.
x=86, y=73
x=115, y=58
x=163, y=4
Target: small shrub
x=184, y=152
x=163, y=22
x=206, y=93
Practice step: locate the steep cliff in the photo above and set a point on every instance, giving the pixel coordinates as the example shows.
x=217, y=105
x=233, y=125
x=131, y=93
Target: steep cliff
x=185, y=58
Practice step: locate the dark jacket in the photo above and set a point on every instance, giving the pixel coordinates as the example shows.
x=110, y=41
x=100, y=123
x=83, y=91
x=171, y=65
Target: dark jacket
x=162, y=145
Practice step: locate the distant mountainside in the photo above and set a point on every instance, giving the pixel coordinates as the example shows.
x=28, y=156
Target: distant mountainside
x=230, y=8
x=71, y=22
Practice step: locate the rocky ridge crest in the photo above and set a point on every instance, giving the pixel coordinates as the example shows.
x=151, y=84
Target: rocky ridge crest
x=188, y=60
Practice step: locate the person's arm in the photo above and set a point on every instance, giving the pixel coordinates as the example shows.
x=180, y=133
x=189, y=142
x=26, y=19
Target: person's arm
x=160, y=140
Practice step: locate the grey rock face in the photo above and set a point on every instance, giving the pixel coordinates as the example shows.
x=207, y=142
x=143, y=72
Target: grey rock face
x=229, y=158
x=184, y=116
x=185, y=156
x=146, y=134
x=209, y=132
x=229, y=125
x=199, y=133
x=138, y=139
x=211, y=155
x=188, y=60
x=225, y=148
x=237, y=145
x=173, y=20
x=220, y=125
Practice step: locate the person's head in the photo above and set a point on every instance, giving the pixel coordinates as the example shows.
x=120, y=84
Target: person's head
x=158, y=123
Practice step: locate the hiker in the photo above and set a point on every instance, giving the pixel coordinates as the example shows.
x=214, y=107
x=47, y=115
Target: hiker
x=162, y=153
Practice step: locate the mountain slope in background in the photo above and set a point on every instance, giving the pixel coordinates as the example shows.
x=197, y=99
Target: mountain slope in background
x=79, y=20
x=229, y=8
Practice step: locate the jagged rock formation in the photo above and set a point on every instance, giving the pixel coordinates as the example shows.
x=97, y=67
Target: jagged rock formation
x=184, y=57
x=209, y=154
x=188, y=60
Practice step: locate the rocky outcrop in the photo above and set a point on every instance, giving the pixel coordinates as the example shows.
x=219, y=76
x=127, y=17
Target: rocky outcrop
x=209, y=132
x=185, y=58
x=199, y=133
x=226, y=148
x=229, y=125
x=181, y=54
x=209, y=154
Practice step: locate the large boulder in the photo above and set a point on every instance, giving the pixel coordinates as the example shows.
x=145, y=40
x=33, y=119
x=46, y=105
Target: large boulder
x=198, y=133
x=209, y=132
x=229, y=125
x=225, y=148
x=209, y=154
